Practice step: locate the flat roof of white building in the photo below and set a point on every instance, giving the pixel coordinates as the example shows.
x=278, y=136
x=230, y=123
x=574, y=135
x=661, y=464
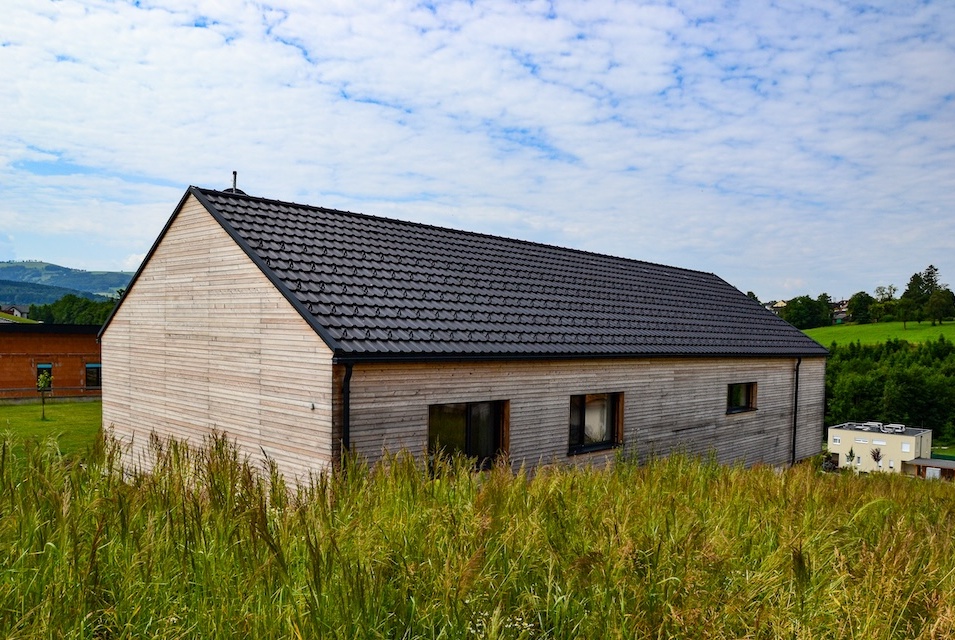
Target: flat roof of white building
x=879, y=427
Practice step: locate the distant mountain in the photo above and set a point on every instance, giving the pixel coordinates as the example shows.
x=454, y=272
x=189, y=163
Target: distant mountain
x=102, y=283
x=26, y=293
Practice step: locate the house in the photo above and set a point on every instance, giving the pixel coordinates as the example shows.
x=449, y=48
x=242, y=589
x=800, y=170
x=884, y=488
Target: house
x=839, y=311
x=71, y=353
x=897, y=447
x=13, y=313
x=303, y=332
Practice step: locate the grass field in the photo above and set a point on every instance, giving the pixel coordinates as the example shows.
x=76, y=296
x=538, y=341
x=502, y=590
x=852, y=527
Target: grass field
x=203, y=547
x=74, y=425
x=881, y=332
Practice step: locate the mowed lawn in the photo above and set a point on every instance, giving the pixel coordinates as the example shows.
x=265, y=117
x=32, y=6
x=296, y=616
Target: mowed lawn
x=74, y=425
x=881, y=332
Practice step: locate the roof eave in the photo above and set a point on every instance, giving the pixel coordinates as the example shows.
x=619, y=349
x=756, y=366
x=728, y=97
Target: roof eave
x=343, y=357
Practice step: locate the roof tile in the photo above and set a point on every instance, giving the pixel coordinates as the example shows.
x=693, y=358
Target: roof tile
x=382, y=288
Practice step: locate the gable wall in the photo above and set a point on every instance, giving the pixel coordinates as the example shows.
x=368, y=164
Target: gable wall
x=204, y=341
x=669, y=404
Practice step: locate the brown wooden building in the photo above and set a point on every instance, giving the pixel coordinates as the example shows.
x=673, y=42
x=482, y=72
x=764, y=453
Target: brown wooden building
x=71, y=353
x=301, y=331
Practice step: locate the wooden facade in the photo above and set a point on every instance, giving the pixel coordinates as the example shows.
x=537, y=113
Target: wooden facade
x=71, y=352
x=204, y=341
x=669, y=405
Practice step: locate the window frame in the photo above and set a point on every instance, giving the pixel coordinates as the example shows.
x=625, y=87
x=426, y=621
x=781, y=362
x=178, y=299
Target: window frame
x=576, y=433
x=749, y=390
x=96, y=366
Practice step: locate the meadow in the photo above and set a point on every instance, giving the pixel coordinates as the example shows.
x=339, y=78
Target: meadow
x=877, y=333
x=73, y=426
x=208, y=545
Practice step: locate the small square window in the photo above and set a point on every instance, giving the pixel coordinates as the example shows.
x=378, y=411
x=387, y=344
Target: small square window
x=741, y=397
x=906, y=447
x=836, y=439
x=595, y=422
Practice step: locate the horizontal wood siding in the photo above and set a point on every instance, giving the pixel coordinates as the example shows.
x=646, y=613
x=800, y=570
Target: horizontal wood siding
x=204, y=341
x=669, y=405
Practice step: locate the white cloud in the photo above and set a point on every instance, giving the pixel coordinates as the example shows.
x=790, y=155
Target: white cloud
x=775, y=144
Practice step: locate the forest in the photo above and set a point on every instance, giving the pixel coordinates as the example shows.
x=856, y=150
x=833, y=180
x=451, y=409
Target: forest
x=72, y=309
x=895, y=381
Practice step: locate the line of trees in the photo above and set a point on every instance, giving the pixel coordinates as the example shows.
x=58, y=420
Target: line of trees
x=924, y=298
x=71, y=309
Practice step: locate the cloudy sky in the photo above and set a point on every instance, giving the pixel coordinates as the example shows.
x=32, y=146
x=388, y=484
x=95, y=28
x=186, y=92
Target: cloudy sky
x=790, y=147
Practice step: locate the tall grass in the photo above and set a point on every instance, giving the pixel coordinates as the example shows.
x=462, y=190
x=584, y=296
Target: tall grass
x=208, y=545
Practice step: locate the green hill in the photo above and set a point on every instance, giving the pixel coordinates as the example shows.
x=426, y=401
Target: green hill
x=24, y=293
x=103, y=283
x=881, y=332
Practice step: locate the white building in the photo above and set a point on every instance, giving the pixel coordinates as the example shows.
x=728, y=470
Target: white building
x=875, y=446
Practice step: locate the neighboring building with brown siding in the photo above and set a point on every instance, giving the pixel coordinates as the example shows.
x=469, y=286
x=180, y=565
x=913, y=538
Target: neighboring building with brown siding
x=302, y=331
x=71, y=353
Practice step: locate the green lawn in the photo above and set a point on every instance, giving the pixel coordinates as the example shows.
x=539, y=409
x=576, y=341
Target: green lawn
x=881, y=332
x=73, y=424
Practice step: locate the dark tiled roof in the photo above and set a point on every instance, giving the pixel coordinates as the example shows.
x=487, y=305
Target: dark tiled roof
x=376, y=288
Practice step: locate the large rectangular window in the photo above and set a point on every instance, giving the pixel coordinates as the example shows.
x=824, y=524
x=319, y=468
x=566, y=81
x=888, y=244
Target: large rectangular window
x=475, y=429
x=596, y=422
x=741, y=397
x=94, y=376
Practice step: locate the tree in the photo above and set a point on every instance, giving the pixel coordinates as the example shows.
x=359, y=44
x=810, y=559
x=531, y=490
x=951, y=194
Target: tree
x=805, y=313
x=860, y=306
x=930, y=280
x=44, y=382
x=940, y=305
x=904, y=308
x=851, y=456
x=885, y=294
x=876, y=456
x=915, y=291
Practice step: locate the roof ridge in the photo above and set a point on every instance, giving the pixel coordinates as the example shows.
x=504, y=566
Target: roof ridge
x=466, y=232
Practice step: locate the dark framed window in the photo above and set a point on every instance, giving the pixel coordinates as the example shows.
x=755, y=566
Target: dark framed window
x=741, y=397
x=40, y=370
x=475, y=429
x=596, y=422
x=94, y=376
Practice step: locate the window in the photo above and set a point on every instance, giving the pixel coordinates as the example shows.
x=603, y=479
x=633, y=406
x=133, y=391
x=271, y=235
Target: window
x=741, y=397
x=40, y=370
x=475, y=429
x=862, y=441
x=595, y=422
x=906, y=447
x=836, y=439
x=94, y=376
x=880, y=443
x=891, y=464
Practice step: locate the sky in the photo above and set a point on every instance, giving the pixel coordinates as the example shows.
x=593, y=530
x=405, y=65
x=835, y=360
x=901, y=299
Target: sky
x=790, y=147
